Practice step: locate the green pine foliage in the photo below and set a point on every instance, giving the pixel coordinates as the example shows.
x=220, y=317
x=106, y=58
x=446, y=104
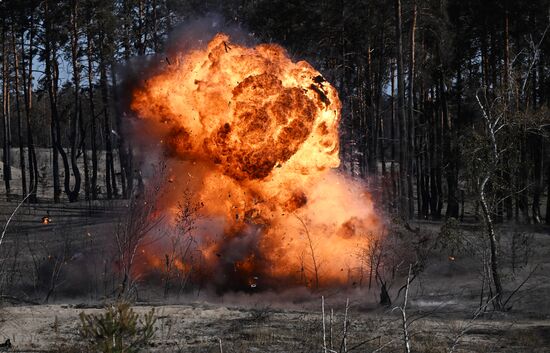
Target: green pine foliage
x=118, y=330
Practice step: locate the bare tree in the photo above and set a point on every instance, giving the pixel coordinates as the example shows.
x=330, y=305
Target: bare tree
x=314, y=260
x=403, y=309
x=468, y=326
x=178, y=260
x=493, y=117
x=135, y=227
x=58, y=257
x=5, y=228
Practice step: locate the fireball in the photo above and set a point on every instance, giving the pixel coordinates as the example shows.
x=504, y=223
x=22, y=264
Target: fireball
x=254, y=136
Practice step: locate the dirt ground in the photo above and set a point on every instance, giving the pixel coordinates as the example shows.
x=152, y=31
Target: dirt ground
x=199, y=327
x=441, y=311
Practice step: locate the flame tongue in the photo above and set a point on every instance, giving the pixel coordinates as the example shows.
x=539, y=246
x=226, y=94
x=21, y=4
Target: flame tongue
x=262, y=134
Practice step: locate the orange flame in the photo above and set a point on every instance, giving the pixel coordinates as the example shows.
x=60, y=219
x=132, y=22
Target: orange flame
x=255, y=137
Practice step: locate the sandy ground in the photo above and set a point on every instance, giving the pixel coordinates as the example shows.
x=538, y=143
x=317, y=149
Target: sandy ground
x=199, y=327
x=442, y=300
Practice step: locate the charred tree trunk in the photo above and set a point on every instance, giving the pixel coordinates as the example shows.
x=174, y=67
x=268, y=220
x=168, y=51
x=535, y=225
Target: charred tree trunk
x=508, y=204
x=538, y=158
x=423, y=155
x=548, y=194
x=522, y=198
x=155, y=34
x=124, y=158
x=93, y=117
x=392, y=134
x=371, y=122
x=6, y=112
x=435, y=161
x=493, y=246
x=110, y=176
x=84, y=151
x=128, y=153
x=403, y=155
x=75, y=118
x=411, y=123
x=18, y=110
x=49, y=83
x=449, y=157
x=27, y=78
x=381, y=131
x=141, y=35
x=52, y=80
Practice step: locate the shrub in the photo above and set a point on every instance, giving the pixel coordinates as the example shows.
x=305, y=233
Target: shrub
x=118, y=330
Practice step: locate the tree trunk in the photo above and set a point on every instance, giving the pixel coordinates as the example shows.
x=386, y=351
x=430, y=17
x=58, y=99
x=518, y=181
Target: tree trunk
x=75, y=119
x=523, y=200
x=411, y=123
x=372, y=122
x=548, y=195
x=435, y=175
x=19, y=119
x=55, y=157
x=449, y=156
x=141, y=35
x=123, y=152
x=27, y=92
x=508, y=204
x=83, y=148
x=492, y=244
x=538, y=159
x=392, y=134
x=381, y=131
x=403, y=156
x=156, y=39
x=52, y=79
x=110, y=177
x=6, y=112
x=93, y=118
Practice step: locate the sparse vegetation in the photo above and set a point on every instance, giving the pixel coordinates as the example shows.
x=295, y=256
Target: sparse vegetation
x=118, y=330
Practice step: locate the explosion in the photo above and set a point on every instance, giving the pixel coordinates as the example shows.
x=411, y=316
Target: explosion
x=254, y=137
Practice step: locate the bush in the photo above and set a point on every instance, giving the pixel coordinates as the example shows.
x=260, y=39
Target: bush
x=118, y=330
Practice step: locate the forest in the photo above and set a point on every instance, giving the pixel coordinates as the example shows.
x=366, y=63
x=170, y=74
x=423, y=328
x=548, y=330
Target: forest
x=437, y=95
x=442, y=132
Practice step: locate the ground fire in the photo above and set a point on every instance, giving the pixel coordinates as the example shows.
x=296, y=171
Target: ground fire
x=254, y=137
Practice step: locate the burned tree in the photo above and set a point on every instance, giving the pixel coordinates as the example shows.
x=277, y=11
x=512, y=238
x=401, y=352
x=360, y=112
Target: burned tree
x=133, y=229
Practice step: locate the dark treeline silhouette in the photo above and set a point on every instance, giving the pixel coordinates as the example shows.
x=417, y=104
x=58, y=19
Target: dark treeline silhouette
x=445, y=102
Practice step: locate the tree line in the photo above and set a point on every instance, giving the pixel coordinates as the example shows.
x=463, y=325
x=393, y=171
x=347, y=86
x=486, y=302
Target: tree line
x=445, y=102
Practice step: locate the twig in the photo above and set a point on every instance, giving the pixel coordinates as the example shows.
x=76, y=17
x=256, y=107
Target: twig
x=535, y=57
x=405, y=285
x=403, y=309
x=383, y=346
x=324, y=332
x=468, y=326
x=521, y=285
x=12, y=215
x=345, y=336
x=331, y=320
x=315, y=266
x=18, y=300
x=364, y=342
